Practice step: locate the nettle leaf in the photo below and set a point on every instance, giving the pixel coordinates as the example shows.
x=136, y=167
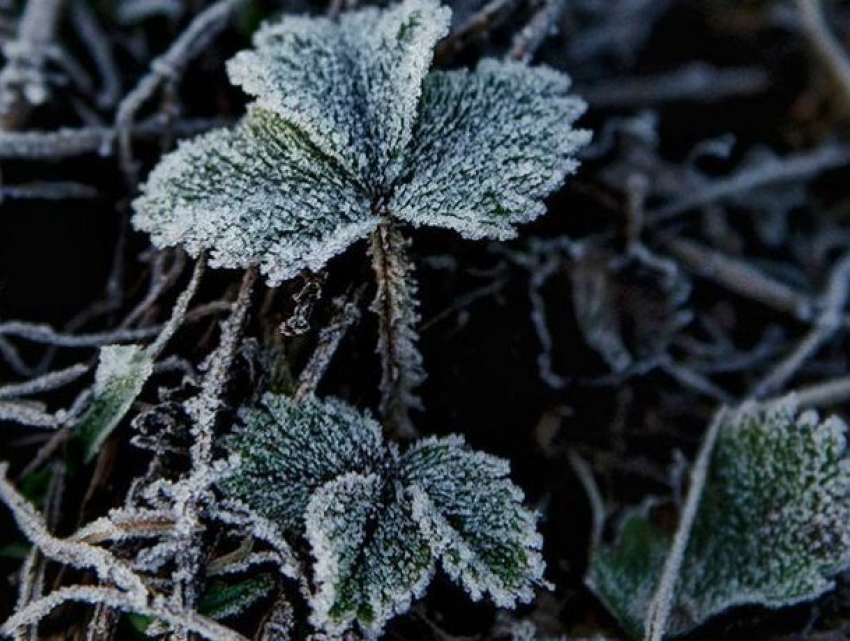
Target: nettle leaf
x=259, y=193
x=773, y=526
x=223, y=600
x=377, y=521
x=121, y=373
x=295, y=448
x=351, y=84
x=489, y=145
x=474, y=520
x=348, y=128
x=372, y=560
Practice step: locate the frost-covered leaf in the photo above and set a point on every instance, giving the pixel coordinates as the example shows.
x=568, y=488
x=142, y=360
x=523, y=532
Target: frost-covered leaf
x=222, y=600
x=351, y=84
x=372, y=559
x=347, y=129
x=121, y=373
x=474, y=519
x=488, y=147
x=376, y=521
x=773, y=526
x=261, y=193
x=296, y=448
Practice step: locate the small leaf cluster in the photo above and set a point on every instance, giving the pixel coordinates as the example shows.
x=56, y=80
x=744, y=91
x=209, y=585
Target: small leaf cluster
x=772, y=529
x=378, y=521
x=349, y=128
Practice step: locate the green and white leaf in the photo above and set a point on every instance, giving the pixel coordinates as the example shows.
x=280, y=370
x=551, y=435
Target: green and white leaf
x=222, y=600
x=377, y=521
x=347, y=128
x=297, y=447
x=352, y=85
x=489, y=145
x=773, y=526
x=474, y=520
x=372, y=560
x=121, y=373
x=261, y=193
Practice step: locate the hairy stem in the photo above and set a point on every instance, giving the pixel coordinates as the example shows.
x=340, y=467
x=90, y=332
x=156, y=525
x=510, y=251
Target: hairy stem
x=398, y=312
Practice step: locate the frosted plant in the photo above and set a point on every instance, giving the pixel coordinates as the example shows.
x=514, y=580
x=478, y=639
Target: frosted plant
x=349, y=128
x=350, y=135
x=377, y=521
x=772, y=526
x=121, y=373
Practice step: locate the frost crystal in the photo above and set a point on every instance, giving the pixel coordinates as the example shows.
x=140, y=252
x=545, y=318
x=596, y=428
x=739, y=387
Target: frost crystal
x=772, y=526
x=347, y=128
x=120, y=376
x=378, y=521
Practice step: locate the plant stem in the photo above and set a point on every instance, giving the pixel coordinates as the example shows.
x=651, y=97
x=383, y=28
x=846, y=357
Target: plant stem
x=398, y=313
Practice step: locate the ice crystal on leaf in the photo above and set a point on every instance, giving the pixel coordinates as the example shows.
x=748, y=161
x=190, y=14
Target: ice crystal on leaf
x=378, y=521
x=773, y=525
x=121, y=373
x=348, y=127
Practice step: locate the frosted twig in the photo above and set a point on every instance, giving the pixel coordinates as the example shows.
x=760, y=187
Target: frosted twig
x=665, y=595
x=57, y=190
x=347, y=313
x=195, y=491
x=542, y=24
x=76, y=554
x=32, y=572
x=830, y=320
x=64, y=143
x=130, y=12
x=397, y=307
x=793, y=168
x=696, y=82
x=478, y=24
x=123, y=524
x=120, y=600
x=178, y=312
x=741, y=277
x=539, y=276
x=200, y=32
x=826, y=45
x=597, y=506
x=91, y=35
x=31, y=414
x=22, y=80
x=833, y=392
x=40, y=333
x=46, y=383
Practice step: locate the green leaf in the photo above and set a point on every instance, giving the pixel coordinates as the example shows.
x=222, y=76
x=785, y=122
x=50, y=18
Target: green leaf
x=352, y=85
x=120, y=376
x=489, y=145
x=474, y=519
x=222, y=600
x=261, y=193
x=348, y=127
x=376, y=521
x=773, y=526
x=371, y=557
x=298, y=447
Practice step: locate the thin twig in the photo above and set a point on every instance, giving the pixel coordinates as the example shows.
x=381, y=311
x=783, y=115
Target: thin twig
x=346, y=315
x=169, y=66
x=829, y=321
x=740, y=277
x=665, y=595
x=794, y=168
x=825, y=44
x=541, y=26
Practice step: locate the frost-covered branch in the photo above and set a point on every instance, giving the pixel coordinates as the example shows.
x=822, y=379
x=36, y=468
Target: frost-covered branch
x=397, y=307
